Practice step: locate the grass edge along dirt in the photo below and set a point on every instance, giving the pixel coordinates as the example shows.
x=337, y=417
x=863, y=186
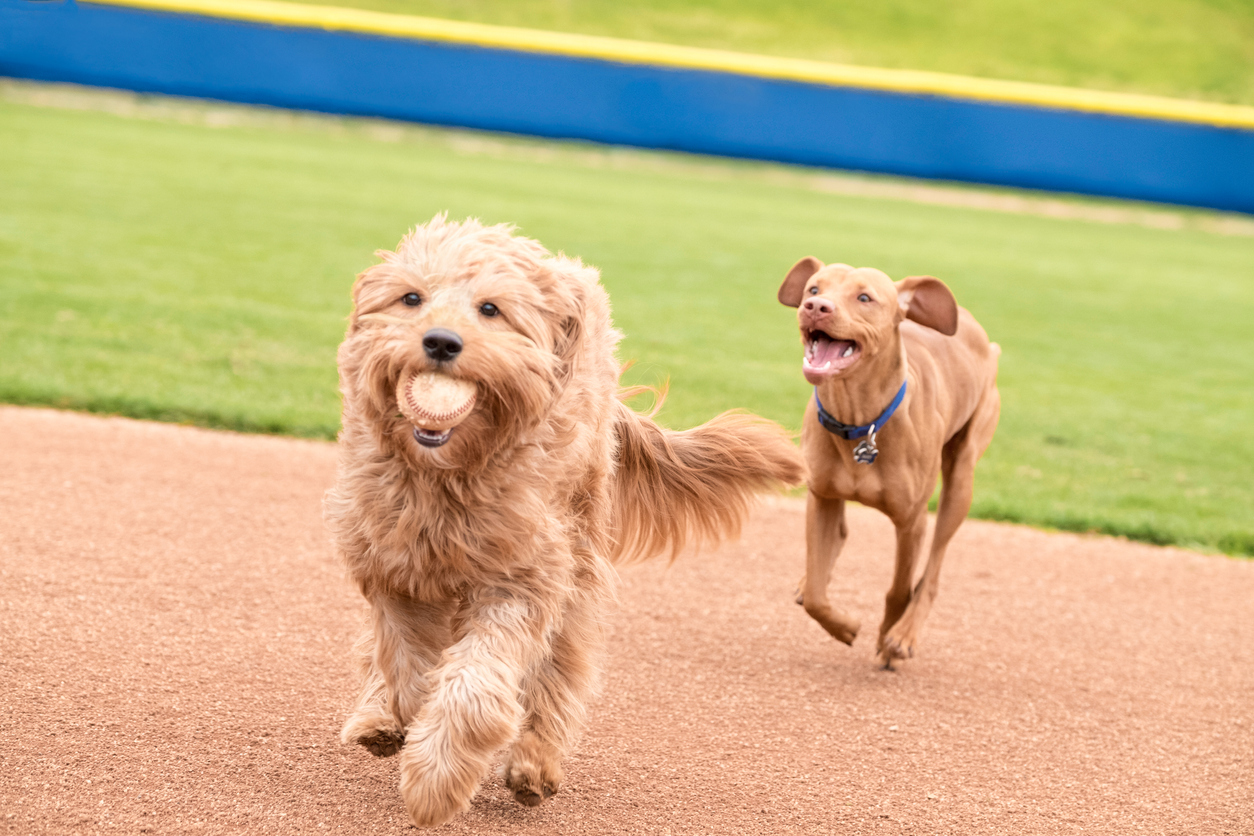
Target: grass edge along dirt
x=647, y=332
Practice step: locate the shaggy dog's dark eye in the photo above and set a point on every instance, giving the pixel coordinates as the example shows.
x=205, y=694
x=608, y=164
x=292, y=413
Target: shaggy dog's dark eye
x=488, y=309
x=412, y=299
x=862, y=297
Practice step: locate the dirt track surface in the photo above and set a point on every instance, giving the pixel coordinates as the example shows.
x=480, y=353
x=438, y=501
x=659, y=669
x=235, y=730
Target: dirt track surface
x=174, y=658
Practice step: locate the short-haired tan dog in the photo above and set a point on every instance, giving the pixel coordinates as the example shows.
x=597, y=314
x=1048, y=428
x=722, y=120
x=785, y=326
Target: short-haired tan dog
x=489, y=477
x=905, y=387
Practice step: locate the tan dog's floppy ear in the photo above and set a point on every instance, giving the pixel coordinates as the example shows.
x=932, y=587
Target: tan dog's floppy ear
x=795, y=282
x=928, y=301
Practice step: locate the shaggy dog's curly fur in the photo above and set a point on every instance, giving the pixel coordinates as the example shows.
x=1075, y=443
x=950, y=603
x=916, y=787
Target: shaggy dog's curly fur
x=487, y=560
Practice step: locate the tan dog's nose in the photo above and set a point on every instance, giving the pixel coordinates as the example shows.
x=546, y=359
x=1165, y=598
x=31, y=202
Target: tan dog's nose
x=817, y=305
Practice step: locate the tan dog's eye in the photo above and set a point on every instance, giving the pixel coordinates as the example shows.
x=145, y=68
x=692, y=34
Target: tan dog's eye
x=862, y=297
x=412, y=299
x=488, y=309
x=814, y=290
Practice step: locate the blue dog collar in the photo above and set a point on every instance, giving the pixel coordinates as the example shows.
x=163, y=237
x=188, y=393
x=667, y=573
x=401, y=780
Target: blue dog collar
x=849, y=431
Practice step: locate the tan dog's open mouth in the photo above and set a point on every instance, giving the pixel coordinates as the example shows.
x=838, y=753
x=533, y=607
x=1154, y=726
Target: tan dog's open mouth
x=827, y=355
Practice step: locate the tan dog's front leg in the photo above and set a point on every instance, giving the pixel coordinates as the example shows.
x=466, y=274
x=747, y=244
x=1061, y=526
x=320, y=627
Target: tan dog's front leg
x=825, y=536
x=473, y=709
x=910, y=533
x=897, y=640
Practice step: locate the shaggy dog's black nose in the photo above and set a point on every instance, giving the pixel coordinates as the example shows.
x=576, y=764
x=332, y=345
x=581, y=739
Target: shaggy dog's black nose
x=441, y=344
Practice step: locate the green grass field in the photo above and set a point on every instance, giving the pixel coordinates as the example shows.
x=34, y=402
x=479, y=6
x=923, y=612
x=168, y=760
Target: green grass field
x=187, y=272
x=1191, y=48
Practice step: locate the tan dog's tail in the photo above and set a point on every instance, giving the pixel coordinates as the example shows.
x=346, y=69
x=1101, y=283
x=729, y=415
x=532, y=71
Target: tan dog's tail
x=672, y=487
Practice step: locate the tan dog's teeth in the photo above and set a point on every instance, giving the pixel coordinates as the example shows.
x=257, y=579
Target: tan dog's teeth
x=848, y=351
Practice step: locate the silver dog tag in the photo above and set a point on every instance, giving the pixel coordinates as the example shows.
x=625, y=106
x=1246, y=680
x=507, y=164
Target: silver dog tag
x=866, y=451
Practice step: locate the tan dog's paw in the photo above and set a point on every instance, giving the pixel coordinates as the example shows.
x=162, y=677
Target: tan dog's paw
x=533, y=771
x=379, y=734
x=896, y=645
x=840, y=625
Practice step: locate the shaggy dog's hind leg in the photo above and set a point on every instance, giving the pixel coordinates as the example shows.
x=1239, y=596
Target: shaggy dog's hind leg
x=396, y=655
x=555, y=695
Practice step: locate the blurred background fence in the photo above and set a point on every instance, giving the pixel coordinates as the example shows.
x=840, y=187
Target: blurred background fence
x=650, y=95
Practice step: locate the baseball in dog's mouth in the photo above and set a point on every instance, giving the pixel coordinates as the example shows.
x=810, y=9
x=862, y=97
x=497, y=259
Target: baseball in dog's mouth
x=432, y=438
x=434, y=404
x=827, y=355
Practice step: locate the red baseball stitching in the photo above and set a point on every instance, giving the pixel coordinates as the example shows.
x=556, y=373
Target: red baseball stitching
x=443, y=416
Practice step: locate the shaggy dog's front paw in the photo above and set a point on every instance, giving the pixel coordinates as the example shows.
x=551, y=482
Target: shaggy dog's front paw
x=436, y=784
x=377, y=733
x=533, y=771
x=383, y=744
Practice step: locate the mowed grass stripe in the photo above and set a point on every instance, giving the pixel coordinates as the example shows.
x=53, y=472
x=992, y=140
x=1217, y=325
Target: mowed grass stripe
x=182, y=272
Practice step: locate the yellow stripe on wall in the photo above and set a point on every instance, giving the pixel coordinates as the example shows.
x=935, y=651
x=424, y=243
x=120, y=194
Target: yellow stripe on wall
x=334, y=18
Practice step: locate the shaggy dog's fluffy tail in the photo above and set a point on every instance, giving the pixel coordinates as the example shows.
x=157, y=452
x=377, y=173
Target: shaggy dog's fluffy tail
x=672, y=487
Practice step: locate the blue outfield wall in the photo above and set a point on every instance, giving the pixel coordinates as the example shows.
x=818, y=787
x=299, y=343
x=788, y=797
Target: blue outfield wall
x=653, y=106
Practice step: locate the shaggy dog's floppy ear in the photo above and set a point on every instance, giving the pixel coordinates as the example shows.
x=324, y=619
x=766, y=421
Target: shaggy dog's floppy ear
x=570, y=338
x=570, y=279
x=927, y=301
x=369, y=291
x=568, y=343
x=795, y=281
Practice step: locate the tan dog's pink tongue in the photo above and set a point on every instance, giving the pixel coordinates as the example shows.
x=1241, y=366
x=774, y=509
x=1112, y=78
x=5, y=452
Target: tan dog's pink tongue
x=825, y=350
x=825, y=357
x=829, y=351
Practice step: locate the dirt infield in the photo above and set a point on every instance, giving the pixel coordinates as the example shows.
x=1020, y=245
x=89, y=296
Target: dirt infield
x=174, y=649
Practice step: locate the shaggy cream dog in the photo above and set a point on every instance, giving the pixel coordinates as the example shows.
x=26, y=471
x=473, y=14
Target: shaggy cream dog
x=484, y=542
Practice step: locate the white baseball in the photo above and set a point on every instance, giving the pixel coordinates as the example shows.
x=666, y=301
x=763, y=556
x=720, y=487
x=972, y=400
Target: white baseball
x=434, y=401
